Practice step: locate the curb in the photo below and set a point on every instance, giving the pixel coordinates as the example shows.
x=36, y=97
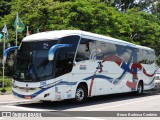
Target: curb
x=6, y=93
x=17, y=102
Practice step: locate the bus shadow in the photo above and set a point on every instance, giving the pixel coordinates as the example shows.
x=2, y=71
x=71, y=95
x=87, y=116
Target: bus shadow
x=69, y=104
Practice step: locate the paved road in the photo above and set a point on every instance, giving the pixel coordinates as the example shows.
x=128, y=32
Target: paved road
x=118, y=102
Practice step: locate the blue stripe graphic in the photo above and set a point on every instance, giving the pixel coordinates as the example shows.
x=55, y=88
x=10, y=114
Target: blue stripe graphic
x=44, y=89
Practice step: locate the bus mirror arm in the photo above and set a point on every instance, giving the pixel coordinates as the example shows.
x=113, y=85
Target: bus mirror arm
x=8, y=50
x=74, y=63
x=53, y=49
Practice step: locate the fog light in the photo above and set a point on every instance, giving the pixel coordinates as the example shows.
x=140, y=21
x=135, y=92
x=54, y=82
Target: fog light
x=46, y=95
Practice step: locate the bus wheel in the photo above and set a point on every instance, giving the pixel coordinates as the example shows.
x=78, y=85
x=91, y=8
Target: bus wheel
x=81, y=94
x=139, y=89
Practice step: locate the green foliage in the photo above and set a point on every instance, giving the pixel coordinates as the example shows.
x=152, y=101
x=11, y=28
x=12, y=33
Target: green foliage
x=8, y=88
x=98, y=16
x=4, y=7
x=7, y=81
x=150, y=6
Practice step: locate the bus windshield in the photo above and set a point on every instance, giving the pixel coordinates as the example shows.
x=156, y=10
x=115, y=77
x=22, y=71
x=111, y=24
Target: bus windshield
x=32, y=62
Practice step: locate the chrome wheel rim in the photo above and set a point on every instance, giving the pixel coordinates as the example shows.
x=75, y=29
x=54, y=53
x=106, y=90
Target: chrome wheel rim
x=79, y=94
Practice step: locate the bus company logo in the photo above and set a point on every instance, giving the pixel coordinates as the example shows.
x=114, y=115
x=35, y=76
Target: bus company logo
x=51, y=84
x=6, y=114
x=43, y=83
x=21, y=114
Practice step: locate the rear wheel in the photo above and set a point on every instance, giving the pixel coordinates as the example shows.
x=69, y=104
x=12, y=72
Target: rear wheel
x=139, y=89
x=81, y=94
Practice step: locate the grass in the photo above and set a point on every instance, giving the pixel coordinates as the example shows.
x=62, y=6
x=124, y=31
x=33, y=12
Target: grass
x=7, y=83
x=8, y=89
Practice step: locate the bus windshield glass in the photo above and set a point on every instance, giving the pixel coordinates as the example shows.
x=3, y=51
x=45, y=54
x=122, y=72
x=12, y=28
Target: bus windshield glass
x=32, y=62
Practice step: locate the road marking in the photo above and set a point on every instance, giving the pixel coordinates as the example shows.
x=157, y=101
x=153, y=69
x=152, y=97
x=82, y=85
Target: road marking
x=89, y=118
x=1, y=118
x=28, y=109
x=123, y=104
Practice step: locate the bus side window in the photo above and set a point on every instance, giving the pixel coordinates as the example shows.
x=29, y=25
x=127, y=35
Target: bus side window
x=105, y=49
x=86, y=50
x=65, y=56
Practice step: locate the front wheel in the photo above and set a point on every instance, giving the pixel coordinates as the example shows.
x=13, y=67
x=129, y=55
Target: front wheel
x=81, y=94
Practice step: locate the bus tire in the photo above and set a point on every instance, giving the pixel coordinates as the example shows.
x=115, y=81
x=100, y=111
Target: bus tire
x=139, y=89
x=81, y=94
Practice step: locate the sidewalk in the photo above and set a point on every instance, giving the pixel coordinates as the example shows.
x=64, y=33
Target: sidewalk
x=10, y=99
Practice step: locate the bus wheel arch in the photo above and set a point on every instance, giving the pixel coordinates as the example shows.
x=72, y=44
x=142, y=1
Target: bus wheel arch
x=81, y=92
x=140, y=88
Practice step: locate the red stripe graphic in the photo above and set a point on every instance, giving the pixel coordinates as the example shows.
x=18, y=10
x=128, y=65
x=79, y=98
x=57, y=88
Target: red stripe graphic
x=91, y=85
x=114, y=59
x=131, y=85
x=149, y=75
x=119, y=61
x=135, y=65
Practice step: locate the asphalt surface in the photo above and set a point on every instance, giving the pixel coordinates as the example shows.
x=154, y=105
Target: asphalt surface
x=117, y=102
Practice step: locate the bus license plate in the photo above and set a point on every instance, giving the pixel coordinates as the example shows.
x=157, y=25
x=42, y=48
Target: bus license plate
x=28, y=97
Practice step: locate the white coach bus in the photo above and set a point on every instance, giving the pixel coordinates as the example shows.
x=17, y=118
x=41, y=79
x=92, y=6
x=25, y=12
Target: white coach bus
x=66, y=64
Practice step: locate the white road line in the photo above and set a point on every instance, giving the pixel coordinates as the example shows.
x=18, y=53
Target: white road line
x=28, y=109
x=123, y=104
x=1, y=118
x=89, y=118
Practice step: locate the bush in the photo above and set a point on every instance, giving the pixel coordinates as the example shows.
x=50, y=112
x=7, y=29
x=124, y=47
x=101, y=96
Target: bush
x=7, y=81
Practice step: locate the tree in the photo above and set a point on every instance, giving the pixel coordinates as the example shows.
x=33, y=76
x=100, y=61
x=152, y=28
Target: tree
x=124, y=5
x=156, y=9
x=5, y=7
x=134, y=25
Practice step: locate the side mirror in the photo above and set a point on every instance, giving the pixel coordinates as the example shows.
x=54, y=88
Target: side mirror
x=7, y=51
x=54, y=48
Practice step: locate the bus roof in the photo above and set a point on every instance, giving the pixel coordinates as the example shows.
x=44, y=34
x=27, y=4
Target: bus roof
x=54, y=35
x=143, y=47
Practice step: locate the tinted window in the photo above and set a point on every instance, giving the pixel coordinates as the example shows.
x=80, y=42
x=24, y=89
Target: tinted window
x=126, y=53
x=65, y=56
x=91, y=49
x=145, y=56
x=32, y=64
x=86, y=50
x=105, y=49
